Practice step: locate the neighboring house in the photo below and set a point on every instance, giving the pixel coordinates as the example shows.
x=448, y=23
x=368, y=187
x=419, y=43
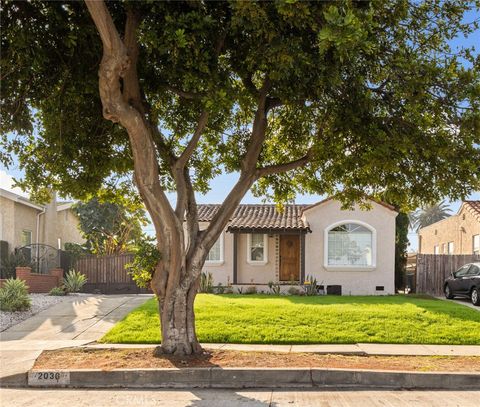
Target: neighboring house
x=23, y=222
x=351, y=252
x=457, y=234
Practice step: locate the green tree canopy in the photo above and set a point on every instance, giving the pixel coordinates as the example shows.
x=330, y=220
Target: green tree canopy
x=371, y=90
x=340, y=98
x=111, y=227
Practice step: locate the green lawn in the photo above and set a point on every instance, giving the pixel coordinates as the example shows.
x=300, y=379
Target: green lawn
x=324, y=319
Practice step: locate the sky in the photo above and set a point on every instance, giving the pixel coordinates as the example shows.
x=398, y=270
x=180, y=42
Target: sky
x=221, y=185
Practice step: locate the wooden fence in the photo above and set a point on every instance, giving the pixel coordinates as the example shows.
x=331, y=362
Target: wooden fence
x=107, y=274
x=433, y=269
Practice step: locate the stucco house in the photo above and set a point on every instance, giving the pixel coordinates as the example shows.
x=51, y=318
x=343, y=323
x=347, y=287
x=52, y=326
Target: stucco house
x=349, y=252
x=23, y=222
x=457, y=234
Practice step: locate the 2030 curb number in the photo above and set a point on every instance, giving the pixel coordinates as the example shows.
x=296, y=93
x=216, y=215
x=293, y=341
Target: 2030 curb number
x=48, y=378
x=48, y=375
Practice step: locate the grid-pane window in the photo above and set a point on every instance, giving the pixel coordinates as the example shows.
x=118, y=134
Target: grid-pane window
x=450, y=247
x=26, y=238
x=350, y=245
x=215, y=253
x=476, y=244
x=257, y=247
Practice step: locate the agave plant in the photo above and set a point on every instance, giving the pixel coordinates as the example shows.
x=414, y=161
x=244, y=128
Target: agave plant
x=206, y=283
x=74, y=281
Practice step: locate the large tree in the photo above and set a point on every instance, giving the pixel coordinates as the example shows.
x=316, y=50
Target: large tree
x=339, y=98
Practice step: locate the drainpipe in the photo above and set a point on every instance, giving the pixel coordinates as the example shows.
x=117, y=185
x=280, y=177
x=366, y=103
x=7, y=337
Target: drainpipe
x=37, y=254
x=38, y=225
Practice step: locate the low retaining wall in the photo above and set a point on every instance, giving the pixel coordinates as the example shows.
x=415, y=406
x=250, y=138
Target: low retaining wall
x=39, y=283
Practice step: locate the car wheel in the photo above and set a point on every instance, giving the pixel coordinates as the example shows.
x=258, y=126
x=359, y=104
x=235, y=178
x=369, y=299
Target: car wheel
x=448, y=292
x=475, y=296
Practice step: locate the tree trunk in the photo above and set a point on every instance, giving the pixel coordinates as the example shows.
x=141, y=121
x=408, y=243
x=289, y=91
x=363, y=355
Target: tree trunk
x=177, y=317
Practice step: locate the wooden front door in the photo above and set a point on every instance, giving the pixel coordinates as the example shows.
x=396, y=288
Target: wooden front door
x=289, y=258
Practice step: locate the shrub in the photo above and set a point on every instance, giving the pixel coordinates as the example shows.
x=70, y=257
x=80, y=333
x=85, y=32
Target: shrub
x=274, y=288
x=13, y=260
x=144, y=263
x=206, y=283
x=295, y=291
x=251, y=290
x=14, y=296
x=240, y=290
x=57, y=291
x=73, y=281
x=220, y=289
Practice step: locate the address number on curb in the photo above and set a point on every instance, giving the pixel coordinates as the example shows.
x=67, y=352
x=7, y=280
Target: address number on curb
x=48, y=378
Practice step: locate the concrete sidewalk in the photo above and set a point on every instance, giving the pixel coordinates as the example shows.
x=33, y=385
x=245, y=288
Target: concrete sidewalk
x=367, y=349
x=77, y=321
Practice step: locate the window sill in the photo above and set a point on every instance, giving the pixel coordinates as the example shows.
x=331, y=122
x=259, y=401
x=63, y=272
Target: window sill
x=350, y=268
x=257, y=263
x=214, y=262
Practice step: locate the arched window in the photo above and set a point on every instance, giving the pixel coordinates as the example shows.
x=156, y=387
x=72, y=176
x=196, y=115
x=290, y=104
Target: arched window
x=350, y=244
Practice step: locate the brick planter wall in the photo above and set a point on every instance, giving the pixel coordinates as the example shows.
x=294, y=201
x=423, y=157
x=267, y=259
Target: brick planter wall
x=39, y=283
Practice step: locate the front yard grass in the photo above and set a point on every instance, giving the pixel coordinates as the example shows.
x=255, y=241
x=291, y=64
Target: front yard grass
x=272, y=319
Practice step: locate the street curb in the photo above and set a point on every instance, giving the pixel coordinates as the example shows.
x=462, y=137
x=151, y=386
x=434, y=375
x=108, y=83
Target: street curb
x=214, y=377
x=14, y=380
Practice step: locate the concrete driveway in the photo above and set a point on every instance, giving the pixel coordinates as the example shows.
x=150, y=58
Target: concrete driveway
x=77, y=321
x=462, y=301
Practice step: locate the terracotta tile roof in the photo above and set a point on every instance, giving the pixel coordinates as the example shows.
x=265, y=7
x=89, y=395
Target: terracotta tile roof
x=473, y=207
x=259, y=217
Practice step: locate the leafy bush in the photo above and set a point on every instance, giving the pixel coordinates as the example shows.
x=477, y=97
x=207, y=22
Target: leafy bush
x=219, y=289
x=144, y=263
x=206, y=283
x=57, y=291
x=14, y=296
x=274, y=288
x=251, y=290
x=73, y=281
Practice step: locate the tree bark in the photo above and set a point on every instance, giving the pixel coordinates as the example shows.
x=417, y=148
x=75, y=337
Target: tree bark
x=183, y=248
x=177, y=318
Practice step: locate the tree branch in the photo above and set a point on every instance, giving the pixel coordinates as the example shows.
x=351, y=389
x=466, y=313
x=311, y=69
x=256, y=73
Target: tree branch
x=115, y=63
x=247, y=174
x=275, y=169
x=185, y=94
x=131, y=86
x=192, y=144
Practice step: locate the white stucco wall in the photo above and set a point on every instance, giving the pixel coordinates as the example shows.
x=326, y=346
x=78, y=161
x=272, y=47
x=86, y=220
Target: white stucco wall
x=353, y=282
x=15, y=217
x=249, y=273
x=7, y=219
x=67, y=228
